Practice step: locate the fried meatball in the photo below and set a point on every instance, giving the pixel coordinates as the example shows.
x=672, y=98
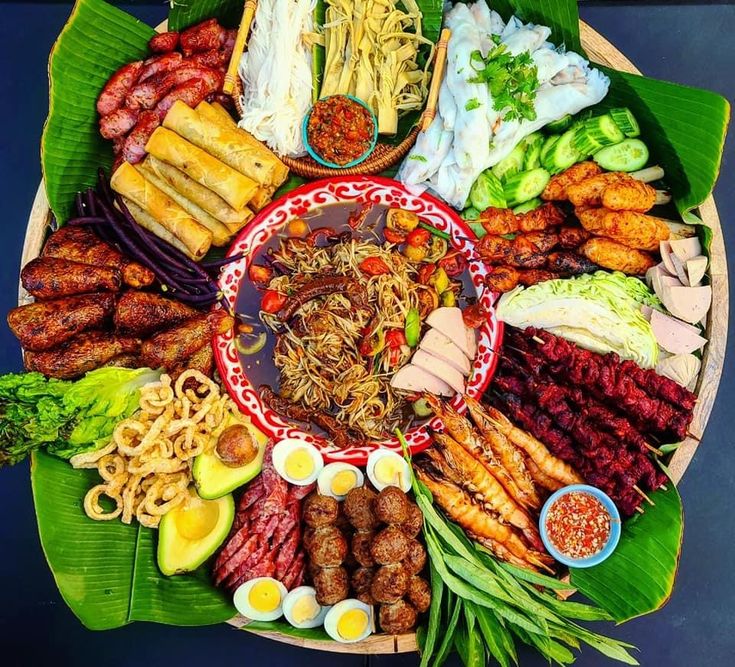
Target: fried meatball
x=390, y=583
x=320, y=510
x=414, y=521
x=362, y=579
x=361, y=542
x=342, y=522
x=328, y=547
x=419, y=593
x=391, y=505
x=332, y=585
x=415, y=557
x=390, y=545
x=358, y=507
x=308, y=537
x=397, y=618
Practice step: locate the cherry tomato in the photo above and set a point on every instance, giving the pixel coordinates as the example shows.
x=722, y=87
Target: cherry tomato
x=474, y=316
x=393, y=235
x=259, y=274
x=394, y=338
x=425, y=273
x=371, y=344
x=453, y=263
x=297, y=227
x=272, y=301
x=418, y=238
x=374, y=266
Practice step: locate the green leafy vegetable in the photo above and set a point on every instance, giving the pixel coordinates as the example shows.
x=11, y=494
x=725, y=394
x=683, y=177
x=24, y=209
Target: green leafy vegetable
x=65, y=417
x=472, y=104
x=185, y=13
x=639, y=576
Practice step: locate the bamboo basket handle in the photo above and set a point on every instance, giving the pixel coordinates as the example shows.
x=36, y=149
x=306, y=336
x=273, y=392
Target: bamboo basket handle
x=242, y=34
x=440, y=62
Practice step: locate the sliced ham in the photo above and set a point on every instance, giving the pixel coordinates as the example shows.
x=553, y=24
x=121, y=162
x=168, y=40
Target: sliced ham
x=687, y=303
x=449, y=322
x=696, y=268
x=674, y=335
x=686, y=249
x=440, y=369
x=414, y=378
x=441, y=347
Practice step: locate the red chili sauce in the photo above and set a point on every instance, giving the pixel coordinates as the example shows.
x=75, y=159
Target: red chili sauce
x=578, y=525
x=340, y=130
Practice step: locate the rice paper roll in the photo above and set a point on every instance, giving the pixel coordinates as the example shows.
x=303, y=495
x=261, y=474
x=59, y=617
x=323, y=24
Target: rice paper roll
x=217, y=114
x=235, y=188
x=203, y=197
x=224, y=142
x=220, y=232
x=147, y=221
x=131, y=184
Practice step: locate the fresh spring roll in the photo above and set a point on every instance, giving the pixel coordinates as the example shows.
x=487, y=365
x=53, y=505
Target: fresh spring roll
x=147, y=221
x=203, y=197
x=224, y=142
x=130, y=183
x=220, y=232
x=217, y=115
x=235, y=188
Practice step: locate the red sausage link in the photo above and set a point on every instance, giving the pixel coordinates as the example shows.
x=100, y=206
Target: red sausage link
x=133, y=150
x=118, y=123
x=164, y=43
x=204, y=36
x=191, y=93
x=116, y=89
x=159, y=64
x=149, y=93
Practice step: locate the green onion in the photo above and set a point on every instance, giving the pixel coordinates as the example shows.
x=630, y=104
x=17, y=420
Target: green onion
x=435, y=231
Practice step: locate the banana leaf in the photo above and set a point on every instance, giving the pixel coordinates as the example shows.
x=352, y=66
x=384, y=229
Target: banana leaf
x=185, y=13
x=562, y=16
x=97, y=39
x=639, y=576
x=106, y=571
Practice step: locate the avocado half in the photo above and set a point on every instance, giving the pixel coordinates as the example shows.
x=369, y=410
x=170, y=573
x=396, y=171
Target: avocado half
x=213, y=479
x=191, y=532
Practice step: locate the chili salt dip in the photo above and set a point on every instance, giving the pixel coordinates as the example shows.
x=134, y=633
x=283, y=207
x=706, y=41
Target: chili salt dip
x=578, y=525
x=340, y=130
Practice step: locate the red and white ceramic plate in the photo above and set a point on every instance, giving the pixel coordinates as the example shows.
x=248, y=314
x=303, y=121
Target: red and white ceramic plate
x=241, y=375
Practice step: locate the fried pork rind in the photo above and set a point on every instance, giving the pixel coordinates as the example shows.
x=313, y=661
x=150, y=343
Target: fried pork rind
x=146, y=468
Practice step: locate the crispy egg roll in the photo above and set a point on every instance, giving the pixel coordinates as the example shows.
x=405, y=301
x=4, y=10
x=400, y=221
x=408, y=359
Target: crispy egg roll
x=217, y=115
x=147, y=221
x=203, y=197
x=220, y=232
x=235, y=188
x=131, y=184
x=262, y=197
x=224, y=142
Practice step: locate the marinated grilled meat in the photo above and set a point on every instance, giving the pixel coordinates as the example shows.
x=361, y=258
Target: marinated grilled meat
x=53, y=277
x=534, y=276
x=498, y=221
x=143, y=313
x=202, y=360
x=85, y=353
x=494, y=249
x=503, y=278
x=46, y=324
x=572, y=237
x=635, y=230
x=556, y=189
x=588, y=192
x=545, y=216
x=629, y=195
x=526, y=254
x=569, y=263
x=616, y=256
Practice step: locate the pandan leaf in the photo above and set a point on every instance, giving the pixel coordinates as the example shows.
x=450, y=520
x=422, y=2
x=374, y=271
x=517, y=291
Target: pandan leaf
x=639, y=576
x=96, y=40
x=106, y=571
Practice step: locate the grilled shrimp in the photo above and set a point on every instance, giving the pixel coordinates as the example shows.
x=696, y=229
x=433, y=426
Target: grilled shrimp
x=501, y=552
x=461, y=430
x=459, y=466
x=536, y=450
x=508, y=454
x=541, y=478
x=460, y=508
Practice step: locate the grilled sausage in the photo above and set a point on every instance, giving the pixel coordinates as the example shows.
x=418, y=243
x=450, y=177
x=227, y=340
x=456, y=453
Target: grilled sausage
x=117, y=88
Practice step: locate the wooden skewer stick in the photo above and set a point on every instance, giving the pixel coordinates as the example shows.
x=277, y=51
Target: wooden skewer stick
x=648, y=174
x=639, y=510
x=538, y=340
x=242, y=34
x=638, y=490
x=663, y=487
x=691, y=435
x=662, y=197
x=653, y=449
x=440, y=60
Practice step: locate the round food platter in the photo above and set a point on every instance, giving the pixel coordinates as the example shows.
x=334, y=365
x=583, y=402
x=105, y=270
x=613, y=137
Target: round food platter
x=237, y=293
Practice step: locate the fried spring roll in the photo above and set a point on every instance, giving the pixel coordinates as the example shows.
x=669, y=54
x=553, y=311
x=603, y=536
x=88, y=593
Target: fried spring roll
x=147, y=221
x=235, y=188
x=131, y=184
x=261, y=198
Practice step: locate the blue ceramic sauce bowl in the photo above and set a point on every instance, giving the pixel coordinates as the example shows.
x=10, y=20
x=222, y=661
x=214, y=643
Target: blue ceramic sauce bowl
x=612, y=540
x=333, y=165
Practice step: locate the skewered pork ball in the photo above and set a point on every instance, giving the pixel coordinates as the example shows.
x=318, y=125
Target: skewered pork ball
x=415, y=557
x=358, y=507
x=332, y=585
x=320, y=510
x=397, y=618
x=414, y=520
x=390, y=546
x=391, y=505
x=361, y=543
x=419, y=593
x=328, y=547
x=362, y=580
x=390, y=583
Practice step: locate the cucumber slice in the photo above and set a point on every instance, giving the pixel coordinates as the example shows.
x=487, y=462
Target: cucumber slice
x=532, y=159
x=584, y=143
x=604, y=130
x=557, y=126
x=563, y=154
x=528, y=206
x=487, y=191
x=519, y=188
x=548, y=145
x=511, y=164
x=626, y=121
x=470, y=213
x=477, y=228
x=628, y=155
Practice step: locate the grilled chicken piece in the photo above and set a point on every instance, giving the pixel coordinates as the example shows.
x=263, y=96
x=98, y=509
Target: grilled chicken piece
x=85, y=353
x=544, y=240
x=572, y=237
x=53, y=277
x=589, y=191
x=46, y=324
x=498, y=221
x=616, y=256
x=635, y=230
x=143, y=313
x=168, y=348
x=503, y=279
x=202, y=360
x=629, y=195
x=569, y=263
x=533, y=276
x=526, y=254
x=556, y=189
x=80, y=244
x=541, y=218
x=494, y=249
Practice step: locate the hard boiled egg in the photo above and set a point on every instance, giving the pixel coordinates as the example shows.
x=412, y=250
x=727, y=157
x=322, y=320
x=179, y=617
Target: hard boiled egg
x=260, y=599
x=297, y=461
x=338, y=479
x=302, y=610
x=388, y=468
x=349, y=621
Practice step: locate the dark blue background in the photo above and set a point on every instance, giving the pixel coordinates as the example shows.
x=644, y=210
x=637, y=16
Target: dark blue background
x=687, y=43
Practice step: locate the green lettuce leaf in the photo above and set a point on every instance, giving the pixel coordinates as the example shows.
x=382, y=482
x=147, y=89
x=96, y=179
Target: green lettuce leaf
x=639, y=576
x=97, y=40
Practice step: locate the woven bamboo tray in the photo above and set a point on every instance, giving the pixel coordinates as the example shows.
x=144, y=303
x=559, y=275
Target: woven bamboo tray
x=603, y=52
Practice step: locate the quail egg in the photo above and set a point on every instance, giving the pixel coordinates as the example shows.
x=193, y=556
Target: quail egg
x=301, y=608
x=349, y=621
x=338, y=479
x=260, y=599
x=388, y=468
x=297, y=461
